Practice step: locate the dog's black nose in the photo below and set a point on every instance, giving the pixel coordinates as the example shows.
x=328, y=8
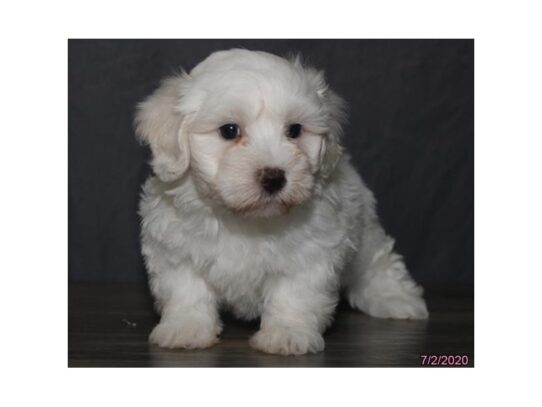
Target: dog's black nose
x=272, y=179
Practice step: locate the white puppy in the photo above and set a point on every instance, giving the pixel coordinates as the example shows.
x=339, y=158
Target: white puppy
x=255, y=209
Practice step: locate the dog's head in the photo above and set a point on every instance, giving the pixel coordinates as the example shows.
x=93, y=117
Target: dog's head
x=256, y=132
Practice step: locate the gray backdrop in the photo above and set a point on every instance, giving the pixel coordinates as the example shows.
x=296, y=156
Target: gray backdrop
x=410, y=133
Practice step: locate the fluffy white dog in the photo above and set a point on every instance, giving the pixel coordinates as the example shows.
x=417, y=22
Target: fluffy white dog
x=255, y=209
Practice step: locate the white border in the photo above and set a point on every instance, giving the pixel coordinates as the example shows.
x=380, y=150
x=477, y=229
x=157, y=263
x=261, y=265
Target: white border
x=34, y=201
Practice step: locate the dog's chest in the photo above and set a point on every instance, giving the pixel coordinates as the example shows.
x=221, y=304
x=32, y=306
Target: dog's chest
x=244, y=262
x=241, y=268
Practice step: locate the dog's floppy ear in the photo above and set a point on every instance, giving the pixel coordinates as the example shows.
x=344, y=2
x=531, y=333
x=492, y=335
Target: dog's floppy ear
x=331, y=150
x=334, y=108
x=160, y=124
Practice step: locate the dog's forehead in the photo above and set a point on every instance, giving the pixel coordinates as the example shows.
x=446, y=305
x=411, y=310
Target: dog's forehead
x=248, y=71
x=240, y=85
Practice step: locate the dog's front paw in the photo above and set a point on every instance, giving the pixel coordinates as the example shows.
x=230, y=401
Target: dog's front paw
x=286, y=341
x=192, y=335
x=397, y=307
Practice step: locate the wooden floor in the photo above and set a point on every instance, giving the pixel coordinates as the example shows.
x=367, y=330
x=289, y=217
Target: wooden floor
x=108, y=326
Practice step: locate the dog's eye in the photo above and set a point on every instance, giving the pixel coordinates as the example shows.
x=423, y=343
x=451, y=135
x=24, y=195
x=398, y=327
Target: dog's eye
x=229, y=131
x=294, y=130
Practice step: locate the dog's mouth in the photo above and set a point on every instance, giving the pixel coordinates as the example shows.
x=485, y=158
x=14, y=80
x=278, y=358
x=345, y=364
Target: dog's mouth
x=266, y=206
x=255, y=201
x=262, y=208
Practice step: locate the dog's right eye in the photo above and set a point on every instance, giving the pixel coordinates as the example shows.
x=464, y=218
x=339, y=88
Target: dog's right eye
x=229, y=131
x=294, y=131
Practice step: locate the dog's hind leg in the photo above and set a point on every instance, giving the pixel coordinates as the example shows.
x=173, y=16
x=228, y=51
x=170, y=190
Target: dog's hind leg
x=377, y=281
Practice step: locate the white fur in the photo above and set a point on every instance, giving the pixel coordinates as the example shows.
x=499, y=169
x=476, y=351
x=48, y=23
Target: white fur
x=212, y=239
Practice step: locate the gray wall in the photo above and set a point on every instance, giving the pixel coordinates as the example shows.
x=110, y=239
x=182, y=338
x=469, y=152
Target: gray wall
x=410, y=133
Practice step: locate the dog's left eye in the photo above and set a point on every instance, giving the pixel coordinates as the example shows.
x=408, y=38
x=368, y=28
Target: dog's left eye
x=294, y=130
x=229, y=131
